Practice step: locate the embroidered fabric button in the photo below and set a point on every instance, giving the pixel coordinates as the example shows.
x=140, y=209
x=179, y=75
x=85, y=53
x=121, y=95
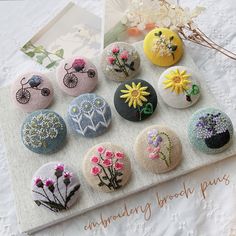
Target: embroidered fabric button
x=179, y=87
x=158, y=149
x=55, y=186
x=89, y=115
x=163, y=47
x=210, y=130
x=106, y=167
x=43, y=132
x=120, y=61
x=76, y=76
x=135, y=100
x=32, y=91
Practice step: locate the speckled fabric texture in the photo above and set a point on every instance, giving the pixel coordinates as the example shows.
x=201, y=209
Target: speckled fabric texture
x=77, y=75
x=106, y=167
x=120, y=61
x=32, y=91
x=158, y=149
x=43, y=132
x=210, y=130
x=89, y=115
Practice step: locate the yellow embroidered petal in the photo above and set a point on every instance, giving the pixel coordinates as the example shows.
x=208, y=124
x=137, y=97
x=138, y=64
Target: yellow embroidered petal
x=125, y=95
x=128, y=87
x=143, y=98
x=143, y=88
x=124, y=91
x=135, y=103
x=138, y=86
x=139, y=103
x=134, y=86
x=144, y=93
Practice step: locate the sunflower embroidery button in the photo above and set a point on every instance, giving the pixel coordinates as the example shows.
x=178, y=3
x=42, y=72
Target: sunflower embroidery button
x=179, y=87
x=32, y=91
x=89, y=115
x=158, y=149
x=106, y=167
x=76, y=76
x=163, y=47
x=135, y=100
x=55, y=186
x=210, y=130
x=43, y=132
x=120, y=61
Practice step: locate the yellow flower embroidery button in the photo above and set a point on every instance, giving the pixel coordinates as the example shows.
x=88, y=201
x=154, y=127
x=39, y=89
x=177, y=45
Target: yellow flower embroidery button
x=163, y=47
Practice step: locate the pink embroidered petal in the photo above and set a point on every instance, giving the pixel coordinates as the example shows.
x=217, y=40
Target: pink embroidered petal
x=101, y=150
x=95, y=160
x=111, y=60
x=153, y=155
x=109, y=154
x=95, y=170
x=119, y=166
x=115, y=50
x=107, y=162
x=124, y=55
x=119, y=155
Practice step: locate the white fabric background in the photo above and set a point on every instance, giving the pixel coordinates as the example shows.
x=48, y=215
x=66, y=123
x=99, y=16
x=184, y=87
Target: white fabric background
x=19, y=20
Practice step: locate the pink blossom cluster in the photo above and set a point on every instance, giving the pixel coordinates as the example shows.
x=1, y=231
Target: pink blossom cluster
x=116, y=51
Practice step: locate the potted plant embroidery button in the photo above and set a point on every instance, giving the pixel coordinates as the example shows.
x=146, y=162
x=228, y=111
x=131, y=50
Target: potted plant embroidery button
x=106, y=167
x=179, y=87
x=43, y=132
x=31, y=92
x=135, y=100
x=89, y=115
x=163, y=47
x=120, y=61
x=55, y=186
x=76, y=76
x=210, y=130
x=158, y=149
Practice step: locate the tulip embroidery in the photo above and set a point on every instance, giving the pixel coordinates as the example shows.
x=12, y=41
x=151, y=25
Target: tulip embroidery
x=52, y=196
x=108, y=167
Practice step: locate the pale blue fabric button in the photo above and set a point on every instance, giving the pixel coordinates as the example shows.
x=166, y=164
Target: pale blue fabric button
x=43, y=132
x=210, y=130
x=89, y=115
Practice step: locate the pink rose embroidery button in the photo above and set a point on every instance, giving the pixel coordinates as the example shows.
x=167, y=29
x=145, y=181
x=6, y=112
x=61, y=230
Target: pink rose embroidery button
x=31, y=92
x=106, y=167
x=76, y=76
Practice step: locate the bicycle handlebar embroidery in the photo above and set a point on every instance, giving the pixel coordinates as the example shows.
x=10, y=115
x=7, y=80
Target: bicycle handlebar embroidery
x=23, y=95
x=70, y=79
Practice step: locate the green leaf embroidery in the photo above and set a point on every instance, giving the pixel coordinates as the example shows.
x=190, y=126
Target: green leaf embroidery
x=60, y=53
x=30, y=54
x=52, y=64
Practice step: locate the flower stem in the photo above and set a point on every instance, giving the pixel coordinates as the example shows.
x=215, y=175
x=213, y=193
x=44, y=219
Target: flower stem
x=121, y=67
x=60, y=191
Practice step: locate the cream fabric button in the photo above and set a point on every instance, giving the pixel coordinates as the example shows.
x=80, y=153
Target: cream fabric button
x=179, y=87
x=106, y=167
x=158, y=149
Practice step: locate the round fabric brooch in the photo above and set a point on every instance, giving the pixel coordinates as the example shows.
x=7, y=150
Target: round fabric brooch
x=89, y=115
x=55, y=186
x=32, y=91
x=158, y=149
x=76, y=76
x=135, y=100
x=179, y=87
x=210, y=130
x=120, y=61
x=106, y=167
x=163, y=47
x=43, y=132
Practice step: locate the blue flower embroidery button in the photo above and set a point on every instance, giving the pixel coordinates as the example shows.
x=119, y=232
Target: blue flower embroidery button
x=89, y=115
x=210, y=130
x=43, y=132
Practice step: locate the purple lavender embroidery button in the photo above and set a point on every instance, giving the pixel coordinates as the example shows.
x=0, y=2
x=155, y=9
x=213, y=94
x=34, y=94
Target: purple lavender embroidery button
x=55, y=186
x=210, y=130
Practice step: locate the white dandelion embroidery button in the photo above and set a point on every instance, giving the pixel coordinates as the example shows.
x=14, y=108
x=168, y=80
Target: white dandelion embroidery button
x=158, y=149
x=76, y=76
x=106, y=167
x=43, y=132
x=31, y=92
x=55, y=186
x=89, y=115
x=179, y=87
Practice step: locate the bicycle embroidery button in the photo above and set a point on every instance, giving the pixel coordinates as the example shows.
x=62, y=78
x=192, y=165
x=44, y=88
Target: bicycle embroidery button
x=106, y=167
x=89, y=115
x=76, y=76
x=32, y=91
x=179, y=87
x=55, y=186
x=135, y=100
x=158, y=149
x=120, y=61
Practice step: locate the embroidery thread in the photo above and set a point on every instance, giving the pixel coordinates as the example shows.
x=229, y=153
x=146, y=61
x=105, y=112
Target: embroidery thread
x=54, y=199
x=158, y=147
x=213, y=128
x=70, y=79
x=108, y=167
x=23, y=94
x=178, y=82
